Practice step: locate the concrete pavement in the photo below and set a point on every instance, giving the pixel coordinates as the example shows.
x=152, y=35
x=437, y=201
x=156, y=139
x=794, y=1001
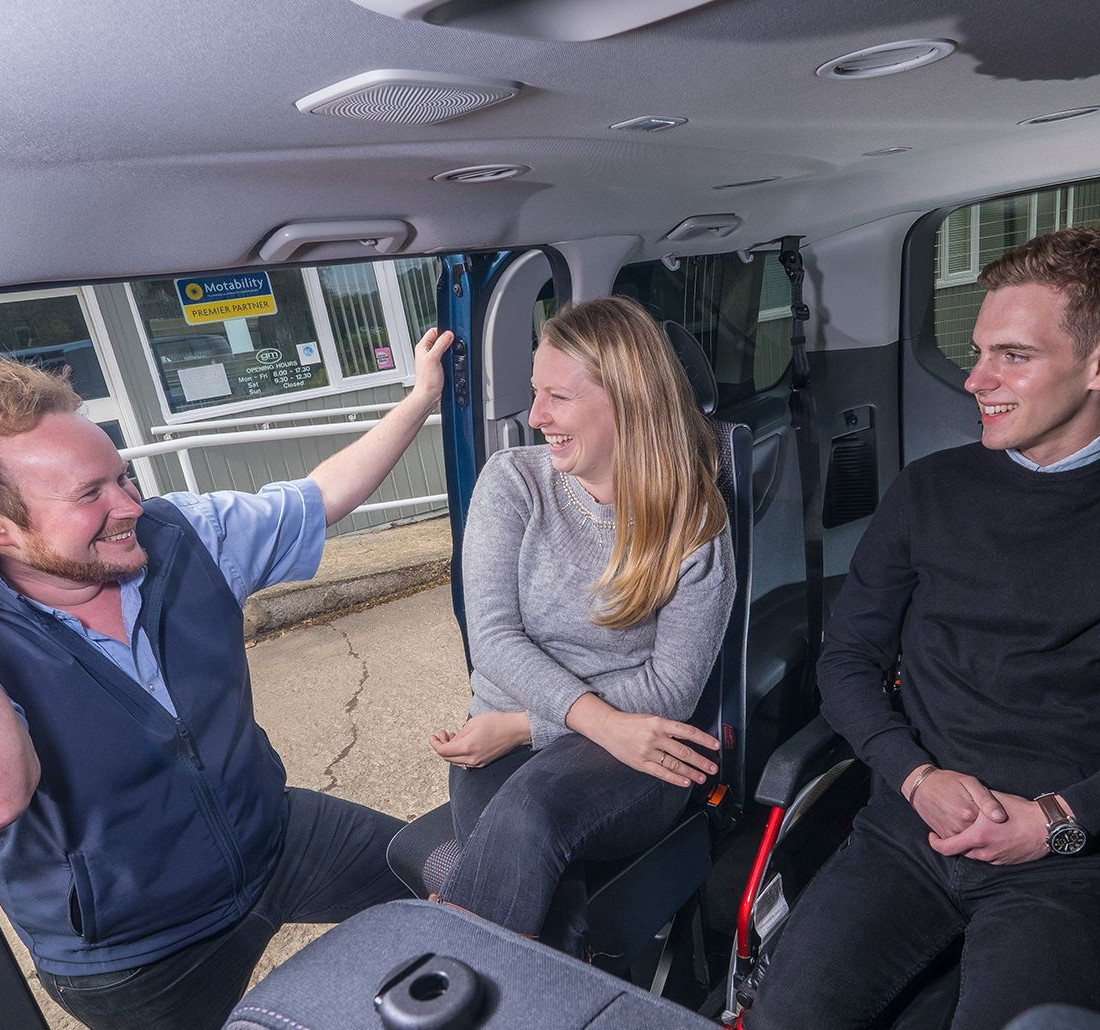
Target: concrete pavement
x=356, y=569
x=349, y=699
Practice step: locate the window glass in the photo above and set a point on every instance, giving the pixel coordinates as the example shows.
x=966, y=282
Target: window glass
x=213, y=364
x=51, y=332
x=773, y=335
x=331, y=324
x=354, y=308
x=416, y=279
x=354, y=303
x=739, y=312
x=545, y=305
x=971, y=237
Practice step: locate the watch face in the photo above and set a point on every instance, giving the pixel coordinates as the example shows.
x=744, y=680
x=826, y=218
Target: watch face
x=1067, y=840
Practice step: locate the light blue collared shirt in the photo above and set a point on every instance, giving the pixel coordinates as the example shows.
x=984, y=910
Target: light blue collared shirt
x=274, y=536
x=1085, y=456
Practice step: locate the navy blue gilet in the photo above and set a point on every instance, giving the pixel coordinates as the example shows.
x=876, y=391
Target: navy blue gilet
x=147, y=833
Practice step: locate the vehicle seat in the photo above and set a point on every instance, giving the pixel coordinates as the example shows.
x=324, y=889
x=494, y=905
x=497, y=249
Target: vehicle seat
x=417, y=966
x=632, y=899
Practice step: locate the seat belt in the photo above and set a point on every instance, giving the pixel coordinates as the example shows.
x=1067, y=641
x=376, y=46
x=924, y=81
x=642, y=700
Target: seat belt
x=804, y=421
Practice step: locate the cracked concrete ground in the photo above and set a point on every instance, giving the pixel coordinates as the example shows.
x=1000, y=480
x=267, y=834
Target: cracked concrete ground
x=349, y=705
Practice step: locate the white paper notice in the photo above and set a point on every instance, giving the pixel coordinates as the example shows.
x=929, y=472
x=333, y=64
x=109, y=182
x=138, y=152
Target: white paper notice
x=309, y=353
x=240, y=339
x=200, y=384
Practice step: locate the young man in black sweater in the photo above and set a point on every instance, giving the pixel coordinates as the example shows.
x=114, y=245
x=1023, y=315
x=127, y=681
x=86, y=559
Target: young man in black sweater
x=981, y=567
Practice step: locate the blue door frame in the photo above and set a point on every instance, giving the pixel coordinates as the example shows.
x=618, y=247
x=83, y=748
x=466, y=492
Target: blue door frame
x=465, y=285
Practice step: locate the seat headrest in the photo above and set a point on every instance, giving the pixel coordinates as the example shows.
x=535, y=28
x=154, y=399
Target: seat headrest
x=698, y=368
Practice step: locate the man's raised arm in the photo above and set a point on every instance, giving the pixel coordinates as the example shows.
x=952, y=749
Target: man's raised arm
x=351, y=475
x=19, y=768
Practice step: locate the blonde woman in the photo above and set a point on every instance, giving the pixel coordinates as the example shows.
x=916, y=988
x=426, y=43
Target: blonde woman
x=598, y=575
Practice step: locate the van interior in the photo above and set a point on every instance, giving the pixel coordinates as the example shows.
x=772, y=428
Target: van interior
x=541, y=151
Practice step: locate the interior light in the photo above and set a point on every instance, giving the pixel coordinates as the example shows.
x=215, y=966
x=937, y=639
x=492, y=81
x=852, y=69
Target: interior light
x=886, y=151
x=887, y=59
x=649, y=123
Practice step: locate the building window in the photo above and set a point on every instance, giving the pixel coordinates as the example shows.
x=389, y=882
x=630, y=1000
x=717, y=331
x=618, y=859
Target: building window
x=238, y=359
x=971, y=237
x=416, y=282
x=52, y=332
x=354, y=309
x=335, y=328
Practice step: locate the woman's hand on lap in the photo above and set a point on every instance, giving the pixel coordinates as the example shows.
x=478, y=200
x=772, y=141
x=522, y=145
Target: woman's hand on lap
x=648, y=743
x=482, y=739
x=656, y=746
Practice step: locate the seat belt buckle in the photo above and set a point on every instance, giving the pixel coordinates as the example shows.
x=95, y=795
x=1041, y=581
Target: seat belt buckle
x=721, y=807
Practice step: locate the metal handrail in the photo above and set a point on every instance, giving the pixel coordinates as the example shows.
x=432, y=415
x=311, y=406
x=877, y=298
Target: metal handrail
x=182, y=447
x=283, y=416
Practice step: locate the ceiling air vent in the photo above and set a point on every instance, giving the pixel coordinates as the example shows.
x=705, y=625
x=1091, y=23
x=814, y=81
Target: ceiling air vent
x=397, y=97
x=746, y=182
x=1059, y=116
x=482, y=173
x=887, y=59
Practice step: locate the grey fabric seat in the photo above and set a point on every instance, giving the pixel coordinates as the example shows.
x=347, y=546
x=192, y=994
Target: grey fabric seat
x=332, y=983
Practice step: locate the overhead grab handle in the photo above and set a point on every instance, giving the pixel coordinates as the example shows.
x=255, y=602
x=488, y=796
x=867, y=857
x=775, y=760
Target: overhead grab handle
x=381, y=235
x=717, y=226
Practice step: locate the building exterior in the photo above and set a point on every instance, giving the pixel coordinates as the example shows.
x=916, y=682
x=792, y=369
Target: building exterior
x=162, y=359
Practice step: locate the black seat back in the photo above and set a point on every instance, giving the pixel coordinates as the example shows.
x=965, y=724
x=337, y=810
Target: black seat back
x=722, y=707
x=721, y=710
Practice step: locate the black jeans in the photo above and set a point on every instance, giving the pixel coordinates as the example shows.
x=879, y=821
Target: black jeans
x=525, y=822
x=333, y=864
x=886, y=905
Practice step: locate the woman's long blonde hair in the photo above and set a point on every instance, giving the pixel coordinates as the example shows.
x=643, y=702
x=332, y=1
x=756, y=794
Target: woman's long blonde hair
x=666, y=501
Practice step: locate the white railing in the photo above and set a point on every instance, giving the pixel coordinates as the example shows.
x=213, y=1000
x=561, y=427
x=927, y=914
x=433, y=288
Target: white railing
x=283, y=416
x=182, y=446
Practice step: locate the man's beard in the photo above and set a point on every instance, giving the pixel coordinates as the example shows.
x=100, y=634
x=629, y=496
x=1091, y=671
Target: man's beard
x=42, y=557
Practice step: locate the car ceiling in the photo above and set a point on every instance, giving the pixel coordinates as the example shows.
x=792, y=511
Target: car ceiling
x=164, y=137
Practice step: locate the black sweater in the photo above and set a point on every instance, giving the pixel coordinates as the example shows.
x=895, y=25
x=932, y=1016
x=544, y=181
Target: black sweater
x=988, y=577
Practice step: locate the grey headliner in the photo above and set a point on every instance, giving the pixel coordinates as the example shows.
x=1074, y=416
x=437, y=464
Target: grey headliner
x=160, y=137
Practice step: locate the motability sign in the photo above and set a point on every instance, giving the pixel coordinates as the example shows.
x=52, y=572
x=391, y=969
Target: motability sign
x=214, y=298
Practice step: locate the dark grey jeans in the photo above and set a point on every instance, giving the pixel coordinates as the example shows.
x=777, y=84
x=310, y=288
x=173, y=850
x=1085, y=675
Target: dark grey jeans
x=885, y=906
x=527, y=820
x=333, y=864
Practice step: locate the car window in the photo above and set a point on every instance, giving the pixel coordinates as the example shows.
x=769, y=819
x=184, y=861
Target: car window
x=738, y=311
x=972, y=236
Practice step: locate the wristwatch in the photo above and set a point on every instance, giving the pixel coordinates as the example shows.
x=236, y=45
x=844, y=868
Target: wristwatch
x=1065, y=835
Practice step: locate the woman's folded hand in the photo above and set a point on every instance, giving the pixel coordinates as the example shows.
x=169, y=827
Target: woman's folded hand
x=482, y=739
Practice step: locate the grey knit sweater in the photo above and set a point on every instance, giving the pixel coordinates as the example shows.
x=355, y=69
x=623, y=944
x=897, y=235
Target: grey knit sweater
x=535, y=544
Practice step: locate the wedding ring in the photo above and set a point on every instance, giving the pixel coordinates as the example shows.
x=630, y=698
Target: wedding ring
x=664, y=755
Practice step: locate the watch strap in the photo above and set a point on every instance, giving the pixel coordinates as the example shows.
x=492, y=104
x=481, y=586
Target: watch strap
x=1053, y=812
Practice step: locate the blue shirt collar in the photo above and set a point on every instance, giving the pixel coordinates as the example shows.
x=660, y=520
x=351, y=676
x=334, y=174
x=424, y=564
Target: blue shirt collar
x=131, y=585
x=1085, y=456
